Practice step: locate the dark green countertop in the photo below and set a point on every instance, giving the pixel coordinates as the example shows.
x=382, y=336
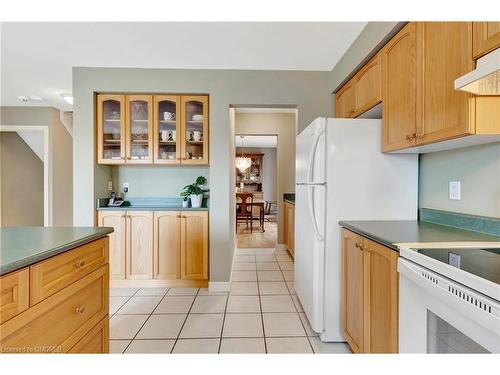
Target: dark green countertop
x=151, y=208
x=289, y=197
x=23, y=246
x=389, y=233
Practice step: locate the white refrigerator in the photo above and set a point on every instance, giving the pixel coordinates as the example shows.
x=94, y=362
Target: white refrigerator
x=341, y=174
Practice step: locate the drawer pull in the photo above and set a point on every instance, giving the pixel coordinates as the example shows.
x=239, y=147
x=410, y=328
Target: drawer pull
x=80, y=263
x=80, y=309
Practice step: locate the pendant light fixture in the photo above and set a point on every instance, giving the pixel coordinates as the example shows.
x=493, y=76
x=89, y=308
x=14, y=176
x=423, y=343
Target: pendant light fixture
x=242, y=162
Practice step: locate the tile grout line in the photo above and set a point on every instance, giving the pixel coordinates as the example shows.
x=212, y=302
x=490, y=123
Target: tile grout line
x=143, y=324
x=184, y=322
x=223, y=321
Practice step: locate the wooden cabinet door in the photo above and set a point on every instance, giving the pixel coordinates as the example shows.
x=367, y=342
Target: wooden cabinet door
x=353, y=290
x=96, y=341
x=368, y=86
x=286, y=225
x=139, y=129
x=14, y=294
x=444, y=53
x=194, y=245
x=139, y=257
x=117, y=241
x=167, y=245
x=167, y=129
x=289, y=218
x=345, y=101
x=110, y=129
x=380, y=299
x=195, y=132
x=399, y=90
x=486, y=36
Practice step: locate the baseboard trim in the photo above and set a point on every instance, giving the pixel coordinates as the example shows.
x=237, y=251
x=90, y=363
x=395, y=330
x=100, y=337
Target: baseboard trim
x=158, y=283
x=219, y=286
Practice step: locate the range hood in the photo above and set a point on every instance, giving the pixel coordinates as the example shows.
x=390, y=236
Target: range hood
x=485, y=79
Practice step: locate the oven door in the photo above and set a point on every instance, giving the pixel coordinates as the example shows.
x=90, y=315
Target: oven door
x=437, y=315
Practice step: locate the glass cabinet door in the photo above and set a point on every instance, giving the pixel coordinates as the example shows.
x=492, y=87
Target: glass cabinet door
x=110, y=129
x=139, y=129
x=167, y=148
x=195, y=129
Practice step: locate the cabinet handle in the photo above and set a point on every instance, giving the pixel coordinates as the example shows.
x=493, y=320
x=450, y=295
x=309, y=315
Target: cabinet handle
x=358, y=246
x=79, y=263
x=80, y=309
x=179, y=216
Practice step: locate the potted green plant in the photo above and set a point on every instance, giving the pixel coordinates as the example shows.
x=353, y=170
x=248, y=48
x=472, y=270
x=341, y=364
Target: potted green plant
x=195, y=192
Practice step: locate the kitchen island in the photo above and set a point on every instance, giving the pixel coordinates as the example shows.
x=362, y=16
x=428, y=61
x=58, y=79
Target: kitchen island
x=54, y=285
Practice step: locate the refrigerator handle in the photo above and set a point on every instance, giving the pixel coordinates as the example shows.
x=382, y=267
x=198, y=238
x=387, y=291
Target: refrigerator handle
x=312, y=156
x=310, y=205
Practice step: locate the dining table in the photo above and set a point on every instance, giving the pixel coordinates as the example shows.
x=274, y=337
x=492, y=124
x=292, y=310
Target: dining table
x=260, y=204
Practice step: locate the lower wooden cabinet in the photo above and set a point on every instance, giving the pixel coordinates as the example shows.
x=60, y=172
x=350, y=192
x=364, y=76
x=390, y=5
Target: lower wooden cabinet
x=169, y=247
x=370, y=295
x=289, y=227
x=194, y=245
x=73, y=318
x=139, y=245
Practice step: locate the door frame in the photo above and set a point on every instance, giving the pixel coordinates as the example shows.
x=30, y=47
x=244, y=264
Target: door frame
x=47, y=207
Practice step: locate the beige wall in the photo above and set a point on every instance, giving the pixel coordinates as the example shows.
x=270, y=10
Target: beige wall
x=21, y=182
x=284, y=125
x=60, y=160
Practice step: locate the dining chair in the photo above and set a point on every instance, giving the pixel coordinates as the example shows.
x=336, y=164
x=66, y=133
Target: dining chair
x=244, y=209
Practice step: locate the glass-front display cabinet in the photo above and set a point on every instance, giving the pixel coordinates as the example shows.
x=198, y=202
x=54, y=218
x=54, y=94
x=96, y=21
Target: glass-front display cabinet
x=139, y=125
x=167, y=148
x=110, y=129
x=195, y=129
x=152, y=129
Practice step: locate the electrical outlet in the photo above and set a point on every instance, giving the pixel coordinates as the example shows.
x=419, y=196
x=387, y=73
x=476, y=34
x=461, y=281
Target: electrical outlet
x=125, y=187
x=454, y=190
x=110, y=185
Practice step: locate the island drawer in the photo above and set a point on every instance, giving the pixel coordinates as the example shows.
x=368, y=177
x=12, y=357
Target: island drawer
x=56, y=273
x=96, y=341
x=60, y=321
x=14, y=294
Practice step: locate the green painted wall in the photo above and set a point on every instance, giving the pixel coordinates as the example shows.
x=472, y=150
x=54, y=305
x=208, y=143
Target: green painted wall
x=478, y=169
x=307, y=90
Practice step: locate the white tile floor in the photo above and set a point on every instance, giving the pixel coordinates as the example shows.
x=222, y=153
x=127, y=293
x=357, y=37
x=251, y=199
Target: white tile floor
x=261, y=314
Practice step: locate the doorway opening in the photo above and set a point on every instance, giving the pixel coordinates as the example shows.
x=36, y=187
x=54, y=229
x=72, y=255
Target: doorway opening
x=24, y=190
x=264, y=171
x=256, y=190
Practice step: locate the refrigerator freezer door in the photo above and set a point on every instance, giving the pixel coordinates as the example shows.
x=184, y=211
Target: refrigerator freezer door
x=309, y=251
x=310, y=153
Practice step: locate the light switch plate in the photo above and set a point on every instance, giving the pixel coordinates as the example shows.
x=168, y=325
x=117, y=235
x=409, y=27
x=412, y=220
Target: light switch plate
x=454, y=190
x=125, y=187
x=110, y=185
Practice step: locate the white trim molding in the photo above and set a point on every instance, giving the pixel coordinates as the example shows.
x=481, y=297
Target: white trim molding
x=219, y=286
x=47, y=201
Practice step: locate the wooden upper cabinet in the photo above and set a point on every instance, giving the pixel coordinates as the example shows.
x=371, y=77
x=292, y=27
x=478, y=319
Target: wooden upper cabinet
x=152, y=129
x=289, y=227
x=353, y=290
x=368, y=86
x=117, y=241
x=380, y=299
x=139, y=257
x=167, y=245
x=111, y=129
x=139, y=129
x=486, y=37
x=194, y=245
x=444, y=53
x=345, y=101
x=167, y=129
x=194, y=115
x=399, y=89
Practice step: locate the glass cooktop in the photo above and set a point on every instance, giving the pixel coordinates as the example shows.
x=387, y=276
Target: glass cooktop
x=484, y=263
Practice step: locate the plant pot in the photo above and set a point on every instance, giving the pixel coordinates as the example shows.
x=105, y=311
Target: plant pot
x=196, y=200
x=185, y=204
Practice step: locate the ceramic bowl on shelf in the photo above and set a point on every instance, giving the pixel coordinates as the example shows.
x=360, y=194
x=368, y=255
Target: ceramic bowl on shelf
x=197, y=117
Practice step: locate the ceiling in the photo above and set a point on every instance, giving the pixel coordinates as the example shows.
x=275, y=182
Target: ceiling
x=259, y=141
x=37, y=58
